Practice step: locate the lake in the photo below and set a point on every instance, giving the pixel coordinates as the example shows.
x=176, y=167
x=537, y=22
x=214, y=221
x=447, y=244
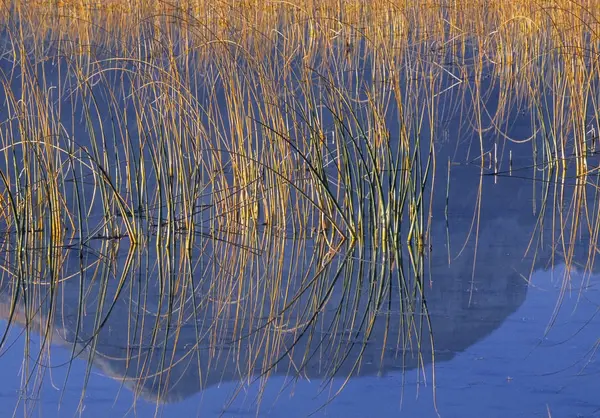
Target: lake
x=346, y=217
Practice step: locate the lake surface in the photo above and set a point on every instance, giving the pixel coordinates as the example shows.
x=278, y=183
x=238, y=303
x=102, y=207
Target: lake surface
x=497, y=350
x=196, y=240
x=519, y=370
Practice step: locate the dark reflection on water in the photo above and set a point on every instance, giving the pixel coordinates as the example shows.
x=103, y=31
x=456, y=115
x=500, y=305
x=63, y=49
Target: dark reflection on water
x=231, y=334
x=513, y=371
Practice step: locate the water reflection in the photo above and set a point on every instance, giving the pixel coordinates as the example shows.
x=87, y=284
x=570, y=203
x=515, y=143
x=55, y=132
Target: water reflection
x=169, y=323
x=184, y=312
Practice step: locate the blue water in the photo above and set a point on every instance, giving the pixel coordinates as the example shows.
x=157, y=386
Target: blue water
x=499, y=353
x=519, y=370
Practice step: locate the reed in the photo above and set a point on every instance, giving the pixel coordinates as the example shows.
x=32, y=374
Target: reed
x=297, y=142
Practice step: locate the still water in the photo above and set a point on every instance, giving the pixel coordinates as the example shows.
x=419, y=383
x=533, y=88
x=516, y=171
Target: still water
x=493, y=278
x=500, y=346
x=520, y=370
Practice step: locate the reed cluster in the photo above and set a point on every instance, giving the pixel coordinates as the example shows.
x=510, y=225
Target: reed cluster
x=289, y=139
